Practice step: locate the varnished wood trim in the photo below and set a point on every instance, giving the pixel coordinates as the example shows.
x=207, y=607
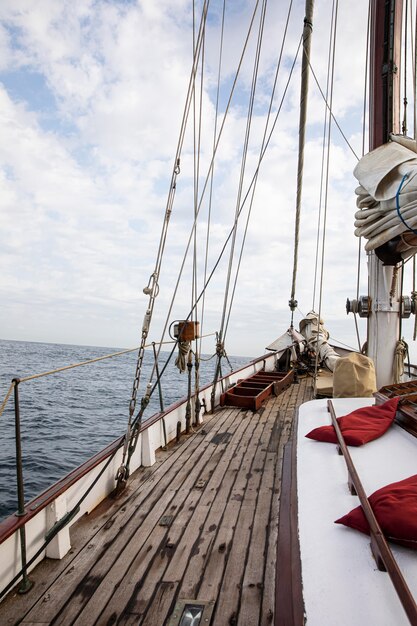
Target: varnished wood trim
x=380, y=548
x=289, y=603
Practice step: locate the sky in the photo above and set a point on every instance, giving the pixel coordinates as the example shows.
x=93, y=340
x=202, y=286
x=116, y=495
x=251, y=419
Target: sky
x=92, y=94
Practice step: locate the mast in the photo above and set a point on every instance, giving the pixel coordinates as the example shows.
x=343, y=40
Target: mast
x=383, y=290
x=305, y=72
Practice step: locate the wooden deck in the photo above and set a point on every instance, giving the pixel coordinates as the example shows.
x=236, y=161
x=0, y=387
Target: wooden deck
x=200, y=524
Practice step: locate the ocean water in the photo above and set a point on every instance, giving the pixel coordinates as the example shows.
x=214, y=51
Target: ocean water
x=68, y=417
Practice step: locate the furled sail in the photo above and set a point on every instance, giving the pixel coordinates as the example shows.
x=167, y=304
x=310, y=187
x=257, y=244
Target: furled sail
x=387, y=197
x=313, y=338
x=316, y=336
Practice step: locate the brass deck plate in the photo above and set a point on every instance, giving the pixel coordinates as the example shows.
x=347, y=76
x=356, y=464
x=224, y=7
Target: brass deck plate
x=207, y=608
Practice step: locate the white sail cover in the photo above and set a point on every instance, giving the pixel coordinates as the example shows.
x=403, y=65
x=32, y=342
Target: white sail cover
x=287, y=340
x=312, y=336
x=316, y=336
x=388, y=178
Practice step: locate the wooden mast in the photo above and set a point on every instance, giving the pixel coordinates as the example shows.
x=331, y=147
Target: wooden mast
x=384, y=309
x=305, y=73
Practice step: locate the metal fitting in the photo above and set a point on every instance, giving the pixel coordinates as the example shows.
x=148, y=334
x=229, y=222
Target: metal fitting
x=362, y=306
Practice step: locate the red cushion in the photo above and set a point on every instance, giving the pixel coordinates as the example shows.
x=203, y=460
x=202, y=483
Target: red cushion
x=395, y=508
x=360, y=426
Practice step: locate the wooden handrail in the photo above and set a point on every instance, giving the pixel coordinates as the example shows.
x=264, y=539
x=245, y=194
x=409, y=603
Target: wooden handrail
x=379, y=546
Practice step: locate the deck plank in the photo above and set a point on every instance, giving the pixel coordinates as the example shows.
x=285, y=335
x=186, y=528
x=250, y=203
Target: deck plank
x=135, y=545
x=228, y=498
x=185, y=531
x=81, y=571
x=204, y=572
x=228, y=589
x=277, y=448
x=133, y=592
x=219, y=546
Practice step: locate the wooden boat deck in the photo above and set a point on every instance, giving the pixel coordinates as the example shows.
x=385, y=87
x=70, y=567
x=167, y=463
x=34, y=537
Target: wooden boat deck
x=200, y=524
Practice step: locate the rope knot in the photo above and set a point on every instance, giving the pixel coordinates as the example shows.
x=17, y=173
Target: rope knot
x=220, y=351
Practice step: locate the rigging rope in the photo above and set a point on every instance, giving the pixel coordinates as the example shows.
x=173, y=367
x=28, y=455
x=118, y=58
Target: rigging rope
x=6, y=397
x=134, y=423
x=414, y=67
x=194, y=284
x=220, y=256
x=326, y=184
x=332, y=114
x=152, y=289
x=264, y=138
x=197, y=151
x=210, y=200
x=151, y=388
x=365, y=103
x=207, y=180
x=243, y=165
x=323, y=155
x=404, y=122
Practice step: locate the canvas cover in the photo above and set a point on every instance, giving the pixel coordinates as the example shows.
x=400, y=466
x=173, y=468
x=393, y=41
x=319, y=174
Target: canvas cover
x=354, y=377
x=387, y=196
x=313, y=330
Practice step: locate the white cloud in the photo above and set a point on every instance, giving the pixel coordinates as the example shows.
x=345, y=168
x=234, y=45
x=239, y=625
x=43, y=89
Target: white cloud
x=84, y=185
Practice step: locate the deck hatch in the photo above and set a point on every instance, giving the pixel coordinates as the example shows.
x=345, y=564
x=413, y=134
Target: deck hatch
x=191, y=613
x=251, y=392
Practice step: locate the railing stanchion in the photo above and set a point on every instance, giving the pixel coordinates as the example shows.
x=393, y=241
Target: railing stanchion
x=26, y=584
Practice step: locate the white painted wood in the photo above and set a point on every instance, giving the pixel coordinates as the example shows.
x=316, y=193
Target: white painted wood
x=384, y=321
x=148, y=449
x=60, y=544
x=341, y=583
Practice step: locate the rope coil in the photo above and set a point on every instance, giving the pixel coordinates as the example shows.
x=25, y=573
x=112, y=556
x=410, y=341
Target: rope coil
x=183, y=351
x=401, y=350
